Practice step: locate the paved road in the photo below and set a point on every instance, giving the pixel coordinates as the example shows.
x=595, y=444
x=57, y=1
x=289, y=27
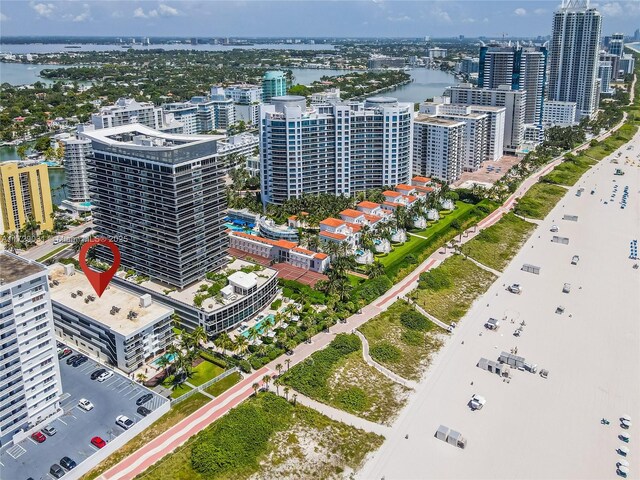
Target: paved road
x=43, y=248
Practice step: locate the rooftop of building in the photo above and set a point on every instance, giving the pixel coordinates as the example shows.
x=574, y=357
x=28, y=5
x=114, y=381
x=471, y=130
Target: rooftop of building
x=351, y=213
x=431, y=120
x=332, y=222
x=198, y=289
x=272, y=75
x=367, y=204
x=140, y=137
x=117, y=309
x=14, y=268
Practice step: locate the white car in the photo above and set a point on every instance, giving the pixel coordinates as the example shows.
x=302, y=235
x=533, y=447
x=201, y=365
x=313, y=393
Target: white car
x=515, y=288
x=554, y=228
x=104, y=376
x=477, y=402
x=124, y=422
x=85, y=404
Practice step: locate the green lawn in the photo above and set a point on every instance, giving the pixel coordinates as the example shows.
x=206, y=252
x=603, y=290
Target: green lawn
x=268, y=437
x=204, y=372
x=454, y=285
x=496, y=245
x=405, y=351
x=177, y=391
x=172, y=417
x=569, y=171
x=338, y=376
x=539, y=200
x=396, y=263
x=53, y=252
x=622, y=136
x=223, y=385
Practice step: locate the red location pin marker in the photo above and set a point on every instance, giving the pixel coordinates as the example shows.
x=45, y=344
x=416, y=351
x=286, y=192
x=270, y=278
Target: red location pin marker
x=99, y=280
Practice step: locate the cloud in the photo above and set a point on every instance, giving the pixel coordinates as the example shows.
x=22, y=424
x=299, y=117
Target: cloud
x=399, y=18
x=3, y=17
x=540, y=11
x=613, y=9
x=163, y=10
x=520, y=12
x=43, y=9
x=617, y=9
x=441, y=15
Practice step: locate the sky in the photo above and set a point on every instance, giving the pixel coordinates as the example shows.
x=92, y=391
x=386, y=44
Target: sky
x=297, y=18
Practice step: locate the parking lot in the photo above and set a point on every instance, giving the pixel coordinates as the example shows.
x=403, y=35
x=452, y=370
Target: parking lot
x=76, y=427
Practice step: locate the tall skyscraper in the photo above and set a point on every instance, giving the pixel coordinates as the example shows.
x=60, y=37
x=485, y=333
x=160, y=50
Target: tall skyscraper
x=24, y=193
x=438, y=147
x=522, y=68
x=616, y=44
x=338, y=148
x=574, y=56
x=76, y=149
x=161, y=197
x=274, y=84
x=30, y=377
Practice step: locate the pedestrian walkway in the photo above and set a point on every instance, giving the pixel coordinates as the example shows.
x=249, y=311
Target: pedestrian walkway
x=342, y=416
x=484, y=267
x=383, y=370
x=429, y=316
x=177, y=435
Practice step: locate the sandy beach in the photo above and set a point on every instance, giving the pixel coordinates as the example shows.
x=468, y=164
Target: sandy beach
x=533, y=427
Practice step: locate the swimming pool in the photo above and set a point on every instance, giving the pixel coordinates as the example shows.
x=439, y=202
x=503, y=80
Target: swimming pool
x=237, y=228
x=260, y=326
x=169, y=356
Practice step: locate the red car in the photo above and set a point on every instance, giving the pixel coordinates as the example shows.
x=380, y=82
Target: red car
x=38, y=437
x=98, y=442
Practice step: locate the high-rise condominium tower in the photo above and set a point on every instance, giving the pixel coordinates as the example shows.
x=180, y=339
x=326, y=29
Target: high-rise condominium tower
x=522, y=68
x=573, y=56
x=338, y=148
x=161, y=198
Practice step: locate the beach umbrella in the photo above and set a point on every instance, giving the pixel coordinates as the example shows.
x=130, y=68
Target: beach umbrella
x=625, y=423
x=622, y=450
x=622, y=463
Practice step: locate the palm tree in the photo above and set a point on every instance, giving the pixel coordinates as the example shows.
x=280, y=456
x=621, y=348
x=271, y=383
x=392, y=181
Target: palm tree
x=198, y=336
x=279, y=368
x=286, y=392
x=256, y=387
x=294, y=397
x=266, y=379
x=290, y=345
x=163, y=362
x=253, y=334
x=141, y=377
x=288, y=362
x=376, y=269
x=242, y=344
x=277, y=382
x=11, y=241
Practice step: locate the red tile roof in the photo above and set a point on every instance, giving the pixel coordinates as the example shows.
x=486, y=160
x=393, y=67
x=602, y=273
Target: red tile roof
x=336, y=236
x=285, y=244
x=354, y=227
x=372, y=218
x=351, y=213
x=332, y=222
x=321, y=256
x=403, y=186
x=390, y=193
x=425, y=189
x=367, y=204
x=421, y=179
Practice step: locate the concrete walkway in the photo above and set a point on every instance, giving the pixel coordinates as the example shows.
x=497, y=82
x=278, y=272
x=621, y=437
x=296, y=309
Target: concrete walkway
x=383, y=370
x=342, y=416
x=428, y=315
x=484, y=267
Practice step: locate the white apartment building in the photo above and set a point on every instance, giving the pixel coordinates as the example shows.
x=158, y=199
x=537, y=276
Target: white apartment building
x=476, y=131
x=246, y=99
x=203, y=113
x=604, y=74
x=573, y=56
x=514, y=102
x=243, y=144
x=121, y=328
x=30, y=385
x=559, y=113
x=438, y=147
x=437, y=52
x=76, y=149
x=186, y=113
x=126, y=111
x=338, y=148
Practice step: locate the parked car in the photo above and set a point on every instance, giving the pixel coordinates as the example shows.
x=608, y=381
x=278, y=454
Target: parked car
x=554, y=228
x=105, y=375
x=124, y=422
x=85, y=404
x=50, y=430
x=72, y=359
x=515, y=288
x=98, y=442
x=144, y=399
x=38, y=436
x=97, y=373
x=64, y=352
x=56, y=470
x=79, y=361
x=143, y=411
x=68, y=463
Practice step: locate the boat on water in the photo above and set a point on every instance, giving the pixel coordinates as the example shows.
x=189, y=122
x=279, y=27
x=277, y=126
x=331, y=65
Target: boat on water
x=125, y=46
x=72, y=46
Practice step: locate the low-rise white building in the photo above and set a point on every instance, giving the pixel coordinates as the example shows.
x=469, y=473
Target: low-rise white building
x=559, y=113
x=120, y=328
